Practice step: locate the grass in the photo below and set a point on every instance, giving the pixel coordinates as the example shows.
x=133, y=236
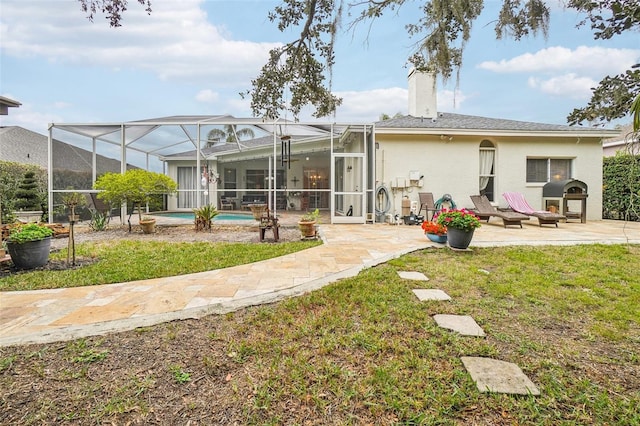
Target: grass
x=123, y=261
x=364, y=350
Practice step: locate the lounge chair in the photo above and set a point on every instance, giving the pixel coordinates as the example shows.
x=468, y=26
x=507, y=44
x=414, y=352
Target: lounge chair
x=518, y=203
x=485, y=209
x=426, y=202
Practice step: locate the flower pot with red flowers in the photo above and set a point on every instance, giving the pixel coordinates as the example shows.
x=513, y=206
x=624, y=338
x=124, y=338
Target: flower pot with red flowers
x=435, y=232
x=460, y=224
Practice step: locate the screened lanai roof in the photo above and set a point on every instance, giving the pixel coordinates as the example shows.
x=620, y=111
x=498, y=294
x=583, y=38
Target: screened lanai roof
x=168, y=136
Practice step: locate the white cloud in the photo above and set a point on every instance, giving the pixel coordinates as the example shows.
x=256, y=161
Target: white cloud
x=368, y=105
x=24, y=116
x=597, y=61
x=174, y=42
x=449, y=100
x=207, y=96
x=566, y=85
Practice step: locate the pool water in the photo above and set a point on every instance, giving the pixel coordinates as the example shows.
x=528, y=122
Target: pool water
x=221, y=216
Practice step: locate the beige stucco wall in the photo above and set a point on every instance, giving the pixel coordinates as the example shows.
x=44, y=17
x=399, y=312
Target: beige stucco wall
x=452, y=166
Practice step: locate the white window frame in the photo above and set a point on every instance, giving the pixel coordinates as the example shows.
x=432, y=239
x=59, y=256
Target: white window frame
x=548, y=171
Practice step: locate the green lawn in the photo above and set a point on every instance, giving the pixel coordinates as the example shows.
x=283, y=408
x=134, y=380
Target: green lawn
x=123, y=261
x=365, y=351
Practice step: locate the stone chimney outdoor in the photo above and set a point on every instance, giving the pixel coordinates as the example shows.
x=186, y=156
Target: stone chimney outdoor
x=422, y=94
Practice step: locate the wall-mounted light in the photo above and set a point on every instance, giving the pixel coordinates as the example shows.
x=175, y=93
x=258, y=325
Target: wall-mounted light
x=349, y=168
x=447, y=138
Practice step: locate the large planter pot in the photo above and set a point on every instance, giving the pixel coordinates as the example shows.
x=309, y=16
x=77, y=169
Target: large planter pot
x=148, y=226
x=459, y=239
x=258, y=210
x=307, y=229
x=31, y=254
x=437, y=238
x=28, y=216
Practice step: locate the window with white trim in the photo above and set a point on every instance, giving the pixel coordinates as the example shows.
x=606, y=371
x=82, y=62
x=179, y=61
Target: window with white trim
x=487, y=169
x=542, y=170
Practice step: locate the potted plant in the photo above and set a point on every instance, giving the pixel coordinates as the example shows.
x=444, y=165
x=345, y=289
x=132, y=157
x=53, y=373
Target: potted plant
x=29, y=245
x=460, y=224
x=137, y=187
x=147, y=224
x=307, y=224
x=435, y=231
x=28, y=201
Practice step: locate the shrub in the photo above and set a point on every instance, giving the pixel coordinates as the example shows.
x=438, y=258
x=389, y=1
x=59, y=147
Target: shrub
x=29, y=232
x=621, y=187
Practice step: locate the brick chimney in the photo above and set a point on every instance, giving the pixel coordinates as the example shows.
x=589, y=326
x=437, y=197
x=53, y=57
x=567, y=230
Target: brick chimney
x=422, y=94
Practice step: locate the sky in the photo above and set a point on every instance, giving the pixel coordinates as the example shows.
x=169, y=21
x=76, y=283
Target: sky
x=194, y=57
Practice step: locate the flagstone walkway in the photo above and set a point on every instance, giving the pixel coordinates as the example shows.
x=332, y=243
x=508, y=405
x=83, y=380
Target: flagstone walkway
x=63, y=314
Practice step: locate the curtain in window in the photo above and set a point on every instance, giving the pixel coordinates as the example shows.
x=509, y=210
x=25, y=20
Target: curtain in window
x=486, y=166
x=188, y=181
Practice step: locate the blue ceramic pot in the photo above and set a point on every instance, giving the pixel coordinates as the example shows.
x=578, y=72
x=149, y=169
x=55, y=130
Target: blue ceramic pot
x=437, y=238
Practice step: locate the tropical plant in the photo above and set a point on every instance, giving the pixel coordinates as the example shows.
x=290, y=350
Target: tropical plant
x=433, y=228
x=204, y=216
x=462, y=219
x=29, y=232
x=99, y=221
x=136, y=187
x=230, y=134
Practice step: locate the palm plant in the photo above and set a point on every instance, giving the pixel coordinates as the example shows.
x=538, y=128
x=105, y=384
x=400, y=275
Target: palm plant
x=230, y=134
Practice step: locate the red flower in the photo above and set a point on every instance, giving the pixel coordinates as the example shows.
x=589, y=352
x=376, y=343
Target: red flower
x=433, y=228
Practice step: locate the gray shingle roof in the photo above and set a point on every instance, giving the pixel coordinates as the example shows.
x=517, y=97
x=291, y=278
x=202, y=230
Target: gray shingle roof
x=450, y=121
x=24, y=146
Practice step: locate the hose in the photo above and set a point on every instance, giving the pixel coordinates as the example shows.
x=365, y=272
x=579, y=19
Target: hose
x=382, y=192
x=446, y=198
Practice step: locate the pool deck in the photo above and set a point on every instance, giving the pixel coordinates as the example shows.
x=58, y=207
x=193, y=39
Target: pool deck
x=45, y=316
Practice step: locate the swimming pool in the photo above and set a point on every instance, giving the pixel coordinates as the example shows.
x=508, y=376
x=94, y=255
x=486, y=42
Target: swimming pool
x=219, y=217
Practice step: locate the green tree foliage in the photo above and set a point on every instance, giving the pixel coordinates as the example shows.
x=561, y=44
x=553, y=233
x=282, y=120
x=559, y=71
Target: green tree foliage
x=135, y=187
x=112, y=9
x=11, y=175
x=621, y=192
x=28, y=195
x=230, y=134
x=299, y=73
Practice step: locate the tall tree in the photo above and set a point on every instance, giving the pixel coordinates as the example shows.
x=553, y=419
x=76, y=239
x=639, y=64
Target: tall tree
x=299, y=73
x=230, y=134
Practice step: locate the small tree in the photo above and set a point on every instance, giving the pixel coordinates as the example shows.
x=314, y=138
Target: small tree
x=135, y=187
x=27, y=194
x=71, y=201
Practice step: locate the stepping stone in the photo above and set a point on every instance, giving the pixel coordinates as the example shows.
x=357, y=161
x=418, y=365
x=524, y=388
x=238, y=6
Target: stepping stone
x=463, y=324
x=492, y=375
x=430, y=294
x=411, y=275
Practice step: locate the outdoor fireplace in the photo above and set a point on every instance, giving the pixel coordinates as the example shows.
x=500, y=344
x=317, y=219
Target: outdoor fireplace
x=568, y=197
